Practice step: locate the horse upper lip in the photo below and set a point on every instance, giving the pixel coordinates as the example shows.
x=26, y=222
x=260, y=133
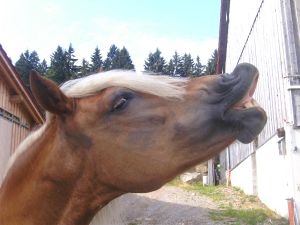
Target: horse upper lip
x=247, y=101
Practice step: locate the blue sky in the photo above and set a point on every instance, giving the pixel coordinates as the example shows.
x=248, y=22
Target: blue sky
x=140, y=25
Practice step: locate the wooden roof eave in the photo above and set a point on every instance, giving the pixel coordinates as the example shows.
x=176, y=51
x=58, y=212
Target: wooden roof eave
x=17, y=84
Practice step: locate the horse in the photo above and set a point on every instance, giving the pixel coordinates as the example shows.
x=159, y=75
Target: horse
x=121, y=132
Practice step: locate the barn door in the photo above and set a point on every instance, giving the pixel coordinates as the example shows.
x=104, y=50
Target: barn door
x=5, y=144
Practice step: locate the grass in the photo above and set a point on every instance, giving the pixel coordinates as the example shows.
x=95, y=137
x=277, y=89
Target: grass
x=235, y=207
x=212, y=192
x=241, y=216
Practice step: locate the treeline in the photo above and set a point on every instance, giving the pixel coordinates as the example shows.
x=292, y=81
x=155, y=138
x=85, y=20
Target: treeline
x=182, y=66
x=64, y=65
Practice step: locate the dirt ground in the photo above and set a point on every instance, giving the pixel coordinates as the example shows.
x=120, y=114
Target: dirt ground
x=168, y=206
x=174, y=205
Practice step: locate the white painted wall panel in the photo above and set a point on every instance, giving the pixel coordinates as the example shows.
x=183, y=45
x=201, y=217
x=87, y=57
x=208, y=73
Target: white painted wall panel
x=264, y=48
x=293, y=140
x=241, y=177
x=240, y=11
x=270, y=47
x=273, y=177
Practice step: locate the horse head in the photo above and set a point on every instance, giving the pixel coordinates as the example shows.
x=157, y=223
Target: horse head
x=137, y=140
x=118, y=132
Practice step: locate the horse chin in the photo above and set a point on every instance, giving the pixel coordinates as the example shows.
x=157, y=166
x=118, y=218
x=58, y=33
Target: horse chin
x=248, y=122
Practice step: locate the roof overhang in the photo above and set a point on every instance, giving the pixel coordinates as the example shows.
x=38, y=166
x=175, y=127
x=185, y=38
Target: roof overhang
x=14, y=81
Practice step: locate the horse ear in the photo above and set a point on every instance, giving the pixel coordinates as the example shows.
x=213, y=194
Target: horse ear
x=48, y=94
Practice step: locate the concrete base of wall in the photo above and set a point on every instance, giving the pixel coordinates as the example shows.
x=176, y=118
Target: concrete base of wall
x=272, y=176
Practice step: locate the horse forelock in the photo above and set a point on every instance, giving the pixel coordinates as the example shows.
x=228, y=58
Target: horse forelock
x=163, y=86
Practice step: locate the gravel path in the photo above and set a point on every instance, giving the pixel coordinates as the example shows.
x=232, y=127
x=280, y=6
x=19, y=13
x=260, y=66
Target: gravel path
x=171, y=206
x=166, y=206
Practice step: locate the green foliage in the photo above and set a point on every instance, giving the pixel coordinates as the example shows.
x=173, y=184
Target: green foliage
x=170, y=68
x=212, y=192
x=155, y=62
x=188, y=65
x=71, y=62
x=111, y=60
x=118, y=59
x=27, y=62
x=235, y=207
x=57, y=70
x=241, y=216
x=123, y=60
x=43, y=67
x=182, y=66
x=178, y=64
x=211, y=66
x=62, y=65
x=96, y=60
x=84, y=69
x=198, y=69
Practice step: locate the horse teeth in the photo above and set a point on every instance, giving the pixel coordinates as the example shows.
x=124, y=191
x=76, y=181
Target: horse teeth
x=248, y=104
x=255, y=103
x=251, y=103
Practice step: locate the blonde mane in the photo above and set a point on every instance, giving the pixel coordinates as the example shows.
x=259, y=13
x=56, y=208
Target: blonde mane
x=163, y=86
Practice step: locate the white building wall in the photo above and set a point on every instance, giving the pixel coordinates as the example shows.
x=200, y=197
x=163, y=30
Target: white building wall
x=293, y=171
x=275, y=176
x=264, y=47
x=272, y=177
x=260, y=33
x=241, y=176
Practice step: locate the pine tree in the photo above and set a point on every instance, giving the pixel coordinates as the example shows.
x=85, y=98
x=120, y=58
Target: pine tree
x=111, y=62
x=43, y=67
x=84, y=69
x=188, y=64
x=27, y=62
x=211, y=66
x=198, y=69
x=62, y=65
x=23, y=67
x=155, y=62
x=178, y=64
x=70, y=63
x=123, y=60
x=96, y=60
x=34, y=60
x=57, y=70
x=170, y=68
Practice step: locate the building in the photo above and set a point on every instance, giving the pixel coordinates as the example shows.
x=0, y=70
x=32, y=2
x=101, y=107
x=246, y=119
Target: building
x=19, y=112
x=266, y=34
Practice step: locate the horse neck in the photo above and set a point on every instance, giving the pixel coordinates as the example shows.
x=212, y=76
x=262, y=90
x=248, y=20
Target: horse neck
x=51, y=184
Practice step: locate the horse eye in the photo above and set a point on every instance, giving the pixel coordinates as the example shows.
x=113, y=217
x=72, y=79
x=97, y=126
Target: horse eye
x=120, y=104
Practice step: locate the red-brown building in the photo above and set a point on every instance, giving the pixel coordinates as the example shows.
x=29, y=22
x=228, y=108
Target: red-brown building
x=19, y=112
